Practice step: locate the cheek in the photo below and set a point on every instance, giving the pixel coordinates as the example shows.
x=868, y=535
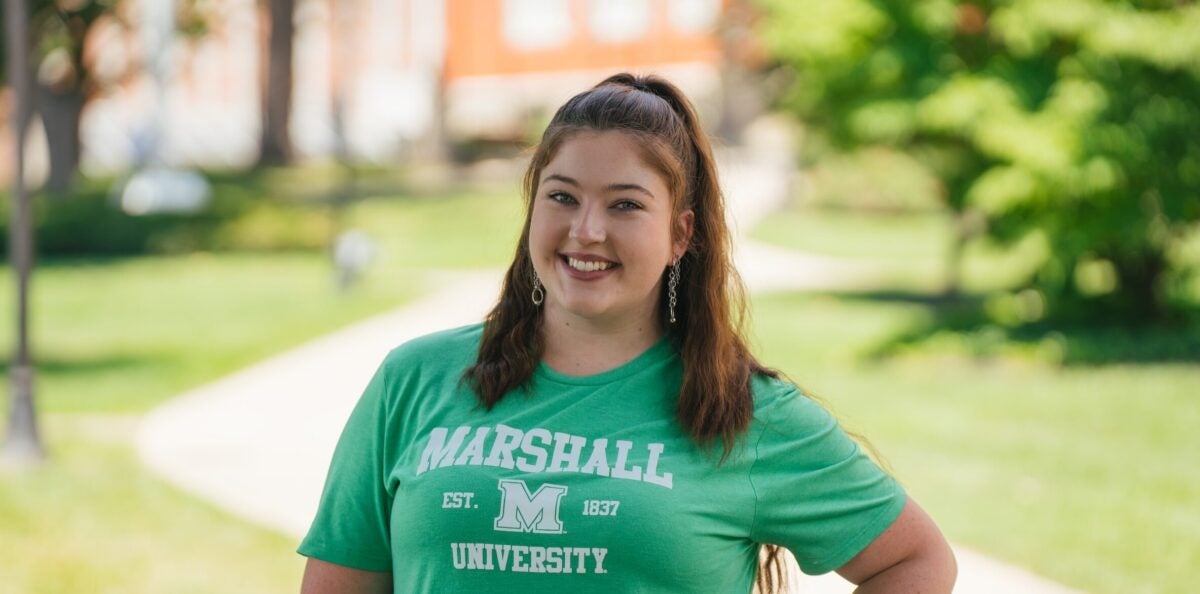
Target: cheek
x=537, y=229
x=543, y=237
x=650, y=247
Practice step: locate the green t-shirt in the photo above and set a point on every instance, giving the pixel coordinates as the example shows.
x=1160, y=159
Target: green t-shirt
x=584, y=484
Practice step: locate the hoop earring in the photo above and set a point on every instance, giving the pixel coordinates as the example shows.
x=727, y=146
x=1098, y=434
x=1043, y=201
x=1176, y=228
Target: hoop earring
x=539, y=295
x=672, y=285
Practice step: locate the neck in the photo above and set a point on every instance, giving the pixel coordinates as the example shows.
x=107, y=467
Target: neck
x=577, y=346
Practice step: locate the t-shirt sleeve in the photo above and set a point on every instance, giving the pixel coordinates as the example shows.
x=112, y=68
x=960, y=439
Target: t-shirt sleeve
x=816, y=492
x=351, y=525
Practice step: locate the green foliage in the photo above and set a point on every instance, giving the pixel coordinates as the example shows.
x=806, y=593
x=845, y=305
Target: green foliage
x=1076, y=120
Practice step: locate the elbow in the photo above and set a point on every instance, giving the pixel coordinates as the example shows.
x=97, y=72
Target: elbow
x=949, y=570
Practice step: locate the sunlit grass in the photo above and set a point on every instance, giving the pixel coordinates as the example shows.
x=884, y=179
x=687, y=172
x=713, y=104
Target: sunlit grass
x=910, y=250
x=114, y=337
x=122, y=335
x=1085, y=475
x=464, y=231
x=94, y=520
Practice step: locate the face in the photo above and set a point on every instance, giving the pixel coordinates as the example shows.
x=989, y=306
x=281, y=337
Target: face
x=600, y=234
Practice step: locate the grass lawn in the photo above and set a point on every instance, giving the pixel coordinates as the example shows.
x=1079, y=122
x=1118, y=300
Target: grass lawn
x=1083, y=473
x=115, y=337
x=909, y=249
x=94, y=520
x=122, y=335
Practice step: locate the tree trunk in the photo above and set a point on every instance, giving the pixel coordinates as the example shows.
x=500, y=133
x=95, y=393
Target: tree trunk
x=1140, y=286
x=22, y=443
x=276, y=145
x=61, y=113
x=742, y=86
x=952, y=275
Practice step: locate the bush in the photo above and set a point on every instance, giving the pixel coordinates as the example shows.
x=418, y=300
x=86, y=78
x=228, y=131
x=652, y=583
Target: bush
x=240, y=216
x=1073, y=120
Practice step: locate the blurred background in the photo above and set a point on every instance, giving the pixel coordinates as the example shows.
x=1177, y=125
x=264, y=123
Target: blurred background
x=973, y=230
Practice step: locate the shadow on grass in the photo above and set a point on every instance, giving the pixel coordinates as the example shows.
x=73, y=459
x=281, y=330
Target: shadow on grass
x=72, y=365
x=961, y=325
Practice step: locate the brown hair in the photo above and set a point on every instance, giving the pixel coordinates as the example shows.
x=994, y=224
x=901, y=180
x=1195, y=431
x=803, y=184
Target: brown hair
x=715, y=404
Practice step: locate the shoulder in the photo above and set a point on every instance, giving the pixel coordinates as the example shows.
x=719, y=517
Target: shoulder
x=781, y=406
x=447, y=348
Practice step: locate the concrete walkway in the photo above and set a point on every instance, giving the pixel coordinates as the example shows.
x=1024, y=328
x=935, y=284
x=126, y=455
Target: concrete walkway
x=258, y=443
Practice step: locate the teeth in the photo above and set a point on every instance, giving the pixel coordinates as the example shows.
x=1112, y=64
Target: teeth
x=582, y=266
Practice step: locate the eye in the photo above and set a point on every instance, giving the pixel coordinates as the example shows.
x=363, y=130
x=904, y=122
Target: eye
x=560, y=197
x=627, y=205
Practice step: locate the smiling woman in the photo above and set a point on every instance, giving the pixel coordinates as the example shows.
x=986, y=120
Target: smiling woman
x=615, y=352
x=602, y=231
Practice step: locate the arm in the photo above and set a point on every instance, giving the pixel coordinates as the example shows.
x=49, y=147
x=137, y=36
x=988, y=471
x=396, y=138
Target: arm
x=910, y=556
x=321, y=577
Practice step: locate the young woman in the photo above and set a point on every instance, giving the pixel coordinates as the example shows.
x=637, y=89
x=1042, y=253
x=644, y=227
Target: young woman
x=607, y=429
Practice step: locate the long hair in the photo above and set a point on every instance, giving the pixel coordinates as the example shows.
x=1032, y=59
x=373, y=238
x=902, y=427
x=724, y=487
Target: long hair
x=715, y=404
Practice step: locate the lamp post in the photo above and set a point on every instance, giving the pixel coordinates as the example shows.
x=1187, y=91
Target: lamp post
x=22, y=444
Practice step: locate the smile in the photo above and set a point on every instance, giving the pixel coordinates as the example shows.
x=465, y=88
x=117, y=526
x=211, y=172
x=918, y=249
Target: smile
x=584, y=266
x=588, y=266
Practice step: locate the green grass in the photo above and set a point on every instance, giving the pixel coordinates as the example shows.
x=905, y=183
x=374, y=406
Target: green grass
x=1082, y=472
x=94, y=520
x=909, y=249
x=120, y=335
x=114, y=337
x=1085, y=475
x=123, y=335
x=466, y=231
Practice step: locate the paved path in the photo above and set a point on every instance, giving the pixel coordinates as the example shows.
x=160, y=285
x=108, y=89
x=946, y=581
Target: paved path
x=257, y=443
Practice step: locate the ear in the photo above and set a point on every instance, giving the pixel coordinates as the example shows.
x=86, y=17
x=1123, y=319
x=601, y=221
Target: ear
x=683, y=233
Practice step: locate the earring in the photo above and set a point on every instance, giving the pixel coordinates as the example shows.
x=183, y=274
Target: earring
x=672, y=284
x=538, y=295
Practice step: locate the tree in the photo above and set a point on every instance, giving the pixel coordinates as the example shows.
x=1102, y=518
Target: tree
x=57, y=31
x=276, y=145
x=65, y=82
x=1076, y=121
x=21, y=442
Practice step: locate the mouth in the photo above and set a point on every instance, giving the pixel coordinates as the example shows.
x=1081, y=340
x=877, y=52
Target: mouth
x=587, y=263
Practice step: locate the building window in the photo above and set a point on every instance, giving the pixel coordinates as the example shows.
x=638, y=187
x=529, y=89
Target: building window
x=694, y=16
x=536, y=24
x=617, y=21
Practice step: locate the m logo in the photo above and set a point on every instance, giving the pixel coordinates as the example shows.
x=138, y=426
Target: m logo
x=521, y=511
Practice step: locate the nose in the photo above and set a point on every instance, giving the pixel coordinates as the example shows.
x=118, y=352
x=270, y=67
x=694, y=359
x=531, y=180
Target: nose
x=588, y=226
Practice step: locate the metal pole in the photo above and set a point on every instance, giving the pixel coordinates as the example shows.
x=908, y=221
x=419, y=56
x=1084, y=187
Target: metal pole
x=22, y=444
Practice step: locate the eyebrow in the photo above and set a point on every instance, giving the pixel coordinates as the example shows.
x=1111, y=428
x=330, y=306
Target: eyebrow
x=609, y=187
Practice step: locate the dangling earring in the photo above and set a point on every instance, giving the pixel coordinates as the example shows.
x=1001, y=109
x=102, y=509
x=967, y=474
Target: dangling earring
x=672, y=284
x=538, y=295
